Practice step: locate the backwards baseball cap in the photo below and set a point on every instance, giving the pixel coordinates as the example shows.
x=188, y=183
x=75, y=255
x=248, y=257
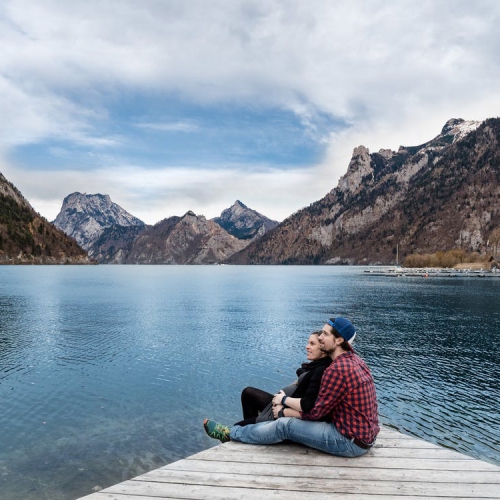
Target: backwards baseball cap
x=343, y=327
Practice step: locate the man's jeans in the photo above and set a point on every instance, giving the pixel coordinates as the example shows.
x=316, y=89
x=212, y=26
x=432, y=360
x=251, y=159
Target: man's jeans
x=320, y=435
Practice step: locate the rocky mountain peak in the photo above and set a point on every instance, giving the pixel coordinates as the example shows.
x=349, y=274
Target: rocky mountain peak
x=450, y=125
x=240, y=204
x=243, y=222
x=359, y=167
x=85, y=217
x=364, y=168
x=386, y=153
x=460, y=128
x=191, y=239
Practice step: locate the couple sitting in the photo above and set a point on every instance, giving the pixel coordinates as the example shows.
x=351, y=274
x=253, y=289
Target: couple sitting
x=333, y=407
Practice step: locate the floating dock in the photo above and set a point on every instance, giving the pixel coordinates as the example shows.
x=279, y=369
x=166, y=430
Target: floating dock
x=398, y=467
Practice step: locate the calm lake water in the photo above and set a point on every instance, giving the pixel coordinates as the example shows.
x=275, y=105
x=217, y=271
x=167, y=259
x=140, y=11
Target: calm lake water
x=108, y=371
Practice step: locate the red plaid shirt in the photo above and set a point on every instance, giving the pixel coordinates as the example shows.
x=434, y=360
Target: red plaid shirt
x=347, y=398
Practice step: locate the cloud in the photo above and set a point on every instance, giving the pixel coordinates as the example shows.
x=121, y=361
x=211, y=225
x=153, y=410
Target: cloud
x=350, y=59
x=379, y=73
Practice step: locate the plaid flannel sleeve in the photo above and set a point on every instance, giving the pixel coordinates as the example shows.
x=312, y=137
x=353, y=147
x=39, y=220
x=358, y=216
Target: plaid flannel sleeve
x=332, y=389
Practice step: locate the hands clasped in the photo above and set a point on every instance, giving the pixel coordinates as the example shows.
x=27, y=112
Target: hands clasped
x=277, y=406
x=278, y=398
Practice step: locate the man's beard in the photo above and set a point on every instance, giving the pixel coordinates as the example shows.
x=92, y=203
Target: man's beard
x=326, y=350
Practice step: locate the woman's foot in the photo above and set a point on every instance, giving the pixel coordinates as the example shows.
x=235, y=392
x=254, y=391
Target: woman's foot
x=217, y=431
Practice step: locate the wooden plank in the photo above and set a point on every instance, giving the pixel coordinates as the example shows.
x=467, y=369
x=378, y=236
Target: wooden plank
x=333, y=472
x=195, y=492
x=434, y=452
x=325, y=485
x=381, y=443
x=291, y=458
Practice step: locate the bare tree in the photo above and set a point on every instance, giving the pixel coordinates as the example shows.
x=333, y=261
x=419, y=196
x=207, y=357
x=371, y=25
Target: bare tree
x=494, y=241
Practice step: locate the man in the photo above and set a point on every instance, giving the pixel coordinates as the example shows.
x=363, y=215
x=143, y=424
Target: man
x=344, y=419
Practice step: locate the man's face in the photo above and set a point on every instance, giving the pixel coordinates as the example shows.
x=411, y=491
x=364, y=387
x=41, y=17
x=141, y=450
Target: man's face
x=327, y=340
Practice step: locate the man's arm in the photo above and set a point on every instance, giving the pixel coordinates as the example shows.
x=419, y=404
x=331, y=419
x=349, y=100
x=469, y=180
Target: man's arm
x=332, y=389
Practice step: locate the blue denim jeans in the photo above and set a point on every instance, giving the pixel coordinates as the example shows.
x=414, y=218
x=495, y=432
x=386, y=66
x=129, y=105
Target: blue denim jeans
x=320, y=435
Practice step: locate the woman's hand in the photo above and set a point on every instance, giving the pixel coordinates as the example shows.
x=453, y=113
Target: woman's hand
x=278, y=398
x=276, y=410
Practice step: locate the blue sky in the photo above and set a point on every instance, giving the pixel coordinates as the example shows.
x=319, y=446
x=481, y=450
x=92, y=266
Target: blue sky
x=158, y=130
x=189, y=105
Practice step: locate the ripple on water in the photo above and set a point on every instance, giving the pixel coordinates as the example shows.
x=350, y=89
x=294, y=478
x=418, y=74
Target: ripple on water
x=108, y=371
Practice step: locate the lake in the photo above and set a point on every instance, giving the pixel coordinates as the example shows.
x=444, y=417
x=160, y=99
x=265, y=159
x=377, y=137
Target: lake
x=108, y=371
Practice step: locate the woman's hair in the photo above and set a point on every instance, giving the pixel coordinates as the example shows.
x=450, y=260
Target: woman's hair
x=317, y=333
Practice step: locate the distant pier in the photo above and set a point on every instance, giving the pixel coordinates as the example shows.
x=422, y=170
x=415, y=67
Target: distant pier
x=398, y=272
x=398, y=467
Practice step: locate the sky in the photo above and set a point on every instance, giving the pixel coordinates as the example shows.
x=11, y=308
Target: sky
x=176, y=105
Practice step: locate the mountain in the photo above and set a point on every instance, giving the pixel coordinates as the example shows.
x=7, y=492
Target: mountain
x=28, y=238
x=243, y=222
x=87, y=217
x=113, y=236
x=190, y=239
x=114, y=243
x=440, y=195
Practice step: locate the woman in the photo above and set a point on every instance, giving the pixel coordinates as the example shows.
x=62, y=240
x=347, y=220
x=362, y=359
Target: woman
x=257, y=405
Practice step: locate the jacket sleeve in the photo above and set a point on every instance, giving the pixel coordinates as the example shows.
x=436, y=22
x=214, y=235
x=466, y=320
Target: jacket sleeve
x=331, y=391
x=312, y=390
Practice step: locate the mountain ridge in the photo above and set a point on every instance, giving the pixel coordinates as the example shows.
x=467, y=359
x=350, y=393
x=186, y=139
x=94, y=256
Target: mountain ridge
x=397, y=200
x=440, y=195
x=189, y=239
x=28, y=238
x=111, y=235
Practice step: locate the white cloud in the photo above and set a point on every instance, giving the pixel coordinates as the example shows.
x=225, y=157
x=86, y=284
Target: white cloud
x=347, y=58
x=392, y=71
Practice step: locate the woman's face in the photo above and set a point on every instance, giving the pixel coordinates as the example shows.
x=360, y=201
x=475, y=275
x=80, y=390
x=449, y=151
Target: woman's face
x=313, y=349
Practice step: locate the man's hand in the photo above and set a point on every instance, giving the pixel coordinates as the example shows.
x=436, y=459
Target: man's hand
x=278, y=397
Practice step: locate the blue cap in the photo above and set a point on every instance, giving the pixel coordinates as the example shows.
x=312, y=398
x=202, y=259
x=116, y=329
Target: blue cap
x=344, y=328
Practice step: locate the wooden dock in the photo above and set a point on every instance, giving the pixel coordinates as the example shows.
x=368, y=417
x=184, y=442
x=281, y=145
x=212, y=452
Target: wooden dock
x=398, y=467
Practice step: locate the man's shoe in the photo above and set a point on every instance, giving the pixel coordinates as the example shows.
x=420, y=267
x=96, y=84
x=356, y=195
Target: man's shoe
x=217, y=431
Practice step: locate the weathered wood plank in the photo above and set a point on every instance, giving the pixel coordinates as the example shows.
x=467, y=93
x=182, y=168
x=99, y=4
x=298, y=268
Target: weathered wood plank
x=325, y=485
x=333, y=472
x=381, y=443
x=363, y=462
x=434, y=452
x=290, y=458
x=196, y=492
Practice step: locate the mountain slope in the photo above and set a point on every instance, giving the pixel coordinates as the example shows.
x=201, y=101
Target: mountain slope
x=440, y=195
x=28, y=238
